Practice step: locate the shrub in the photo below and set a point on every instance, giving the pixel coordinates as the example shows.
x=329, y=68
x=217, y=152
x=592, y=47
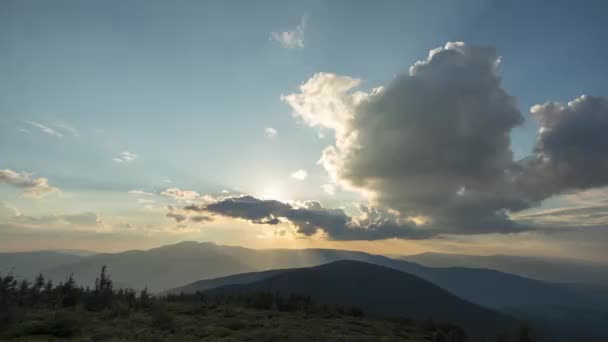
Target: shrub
x=63, y=325
x=162, y=319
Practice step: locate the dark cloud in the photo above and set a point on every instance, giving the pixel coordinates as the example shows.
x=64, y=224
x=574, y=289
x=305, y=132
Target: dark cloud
x=571, y=151
x=310, y=218
x=200, y=218
x=176, y=216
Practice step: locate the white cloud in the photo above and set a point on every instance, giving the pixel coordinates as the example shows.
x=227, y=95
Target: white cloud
x=179, y=194
x=140, y=193
x=300, y=175
x=145, y=201
x=270, y=132
x=46, y=129
x=67, y=129
x=125, y=157
x=292, y=39
x=61, y=221
x=33, y=187
x=329, y=189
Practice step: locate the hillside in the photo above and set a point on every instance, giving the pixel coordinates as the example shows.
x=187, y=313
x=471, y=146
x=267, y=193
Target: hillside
x=29, y=264
x=188, y=262
x=547, y=269
x=378, y=290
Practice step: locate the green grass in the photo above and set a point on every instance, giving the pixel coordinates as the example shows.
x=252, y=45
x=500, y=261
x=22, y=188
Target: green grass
x=192, y=321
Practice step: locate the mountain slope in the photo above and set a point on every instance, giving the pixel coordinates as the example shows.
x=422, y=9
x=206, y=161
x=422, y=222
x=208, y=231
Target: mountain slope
x=29, y=264
x=175, y=265
x=553, y=270
x=236, y=279
x=378, y=290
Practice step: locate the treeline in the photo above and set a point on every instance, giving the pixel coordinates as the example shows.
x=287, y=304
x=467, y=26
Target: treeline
x=42, y=294
x=266, y=300
x=18, y=296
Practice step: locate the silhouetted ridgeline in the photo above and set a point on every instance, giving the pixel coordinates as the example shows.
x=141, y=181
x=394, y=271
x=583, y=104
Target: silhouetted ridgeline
x=66, y=310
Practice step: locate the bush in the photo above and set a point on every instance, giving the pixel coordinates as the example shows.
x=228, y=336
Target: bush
x=63, y=325
x=163, y=319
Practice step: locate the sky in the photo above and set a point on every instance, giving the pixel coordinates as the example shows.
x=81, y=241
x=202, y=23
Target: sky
x=396, y=127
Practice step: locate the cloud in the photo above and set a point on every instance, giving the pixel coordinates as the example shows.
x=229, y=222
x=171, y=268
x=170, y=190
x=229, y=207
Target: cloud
x=68, y=129
x=58, y=130
x=179, y=194
x=46, y=129
x=570, y=153
x=30, y=186
x=176, y=216
x=180, y=215
x=310, y=218
x=270, y=132
x=329, y=189
x=140, y=193
x=7, y=210
x=145, y=201
x=200, y=218
x=300, y=175
x=292, y=39
x=85, y=219
x=125, y=157
x=434, y=143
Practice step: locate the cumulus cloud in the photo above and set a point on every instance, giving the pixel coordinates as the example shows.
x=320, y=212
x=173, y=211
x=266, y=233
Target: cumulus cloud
x=300, y=175
x=270, y=132
x=125, y=157
x=570, y=153
x=29, y=185
x=292, y=39
x=434, y=143
x=310, y=218
x=179, y=194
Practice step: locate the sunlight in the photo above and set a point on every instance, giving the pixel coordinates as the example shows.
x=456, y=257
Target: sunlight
x=274, y=192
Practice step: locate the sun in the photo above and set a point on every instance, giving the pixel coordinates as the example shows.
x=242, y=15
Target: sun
x=273, y=192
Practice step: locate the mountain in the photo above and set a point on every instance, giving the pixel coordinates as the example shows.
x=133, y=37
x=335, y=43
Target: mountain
x=29, y=264
x=170, y=266
x=540, y=268
x=378, y=290
x=236, y=279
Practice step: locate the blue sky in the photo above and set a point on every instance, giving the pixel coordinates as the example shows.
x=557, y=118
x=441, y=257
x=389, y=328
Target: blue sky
x=190, y=87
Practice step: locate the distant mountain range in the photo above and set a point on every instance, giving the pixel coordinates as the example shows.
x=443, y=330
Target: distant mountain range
x=548, y=269
x=29, y=264
x=172, y=266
